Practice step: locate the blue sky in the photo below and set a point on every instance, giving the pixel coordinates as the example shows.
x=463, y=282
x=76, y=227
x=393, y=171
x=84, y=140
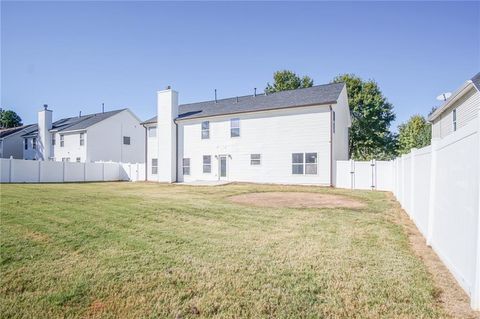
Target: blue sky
x=76, y=55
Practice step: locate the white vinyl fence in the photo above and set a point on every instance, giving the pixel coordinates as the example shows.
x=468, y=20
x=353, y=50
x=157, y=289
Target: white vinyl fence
x=26, y=171
x=438, y=187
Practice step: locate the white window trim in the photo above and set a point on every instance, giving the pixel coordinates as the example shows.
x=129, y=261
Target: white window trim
x=209, y=165
x=304, y=164
x=185, y=166
x=204, y=130
x=259, y=159
x=239, y=128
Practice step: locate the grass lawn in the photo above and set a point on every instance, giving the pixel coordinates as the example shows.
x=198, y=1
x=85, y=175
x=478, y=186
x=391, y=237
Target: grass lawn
x=140, y=250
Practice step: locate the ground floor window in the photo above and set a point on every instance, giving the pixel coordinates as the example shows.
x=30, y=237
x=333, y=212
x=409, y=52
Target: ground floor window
x=186, y=166
x=65, y=159
x=255, y=159
x=154, y=166
x=207, y=163
x=304, y=163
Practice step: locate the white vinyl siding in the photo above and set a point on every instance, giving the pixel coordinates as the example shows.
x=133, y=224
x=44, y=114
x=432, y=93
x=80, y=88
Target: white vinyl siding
x=273, y=134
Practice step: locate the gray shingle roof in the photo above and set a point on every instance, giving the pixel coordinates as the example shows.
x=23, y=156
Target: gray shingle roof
x=476, y=80
x=315, y=95
x=9, y=131
x=76, y=123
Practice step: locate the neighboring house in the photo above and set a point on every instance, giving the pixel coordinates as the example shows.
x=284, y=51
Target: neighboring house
x=459, y=109
x=292, y=137
x=109, y=136
x=11, y=142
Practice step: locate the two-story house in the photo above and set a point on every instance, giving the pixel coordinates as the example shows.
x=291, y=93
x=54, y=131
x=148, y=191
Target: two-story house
x=292, y=137
x=11, y=142
x=108, y=136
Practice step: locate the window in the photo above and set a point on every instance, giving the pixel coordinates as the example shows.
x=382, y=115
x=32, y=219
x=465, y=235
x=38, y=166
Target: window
x=297, y=163
x=65, y=159
x=234, y=127
x=126, y=140
x=34, y=143
x=311, y=163
x=207, y=163
x=26, y=143
x=186, y=166
x=62, y=140
x=205, y=130
x=454, y=118
x=333, y=121
x=82, y=139
x=78, y=159
x=255, y=159
x=152, y=131
x=53, y=139
x=154, y=166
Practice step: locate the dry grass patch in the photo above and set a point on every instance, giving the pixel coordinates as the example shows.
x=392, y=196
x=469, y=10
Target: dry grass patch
x=296, y=200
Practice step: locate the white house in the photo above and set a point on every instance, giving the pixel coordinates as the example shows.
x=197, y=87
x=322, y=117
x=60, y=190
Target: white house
x=108, y=136
x=458, y=110
x=292, y=137
x=11, y=142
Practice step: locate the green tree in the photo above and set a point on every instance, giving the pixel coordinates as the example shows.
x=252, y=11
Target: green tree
x=288, y=80
x=9, y=119
x=372, y=115
x=415, y=133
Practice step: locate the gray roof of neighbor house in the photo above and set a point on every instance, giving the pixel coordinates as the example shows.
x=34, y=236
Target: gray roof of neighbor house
x=476, y=80
x=315, y=95
x=9, y=131
x=75, y=123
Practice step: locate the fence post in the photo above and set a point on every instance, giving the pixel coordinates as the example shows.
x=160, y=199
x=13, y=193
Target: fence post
x=475, y=297
x=374, y=175
x=402, y=202
x=352, y=174
x=413, y=152
x=433, y=191
x=63, y=171
x=10, y=163
x=39, y=170
x=84, y=171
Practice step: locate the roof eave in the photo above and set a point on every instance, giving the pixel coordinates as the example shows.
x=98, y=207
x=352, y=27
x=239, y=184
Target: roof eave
x=178, y=119
x=456, y=95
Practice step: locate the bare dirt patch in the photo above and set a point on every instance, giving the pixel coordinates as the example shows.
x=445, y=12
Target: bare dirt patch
x=453, y=299
x=296, y=200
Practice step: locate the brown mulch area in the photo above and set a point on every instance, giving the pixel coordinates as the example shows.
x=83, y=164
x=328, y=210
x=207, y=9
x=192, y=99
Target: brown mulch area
x=452, y=297
x=296, y=200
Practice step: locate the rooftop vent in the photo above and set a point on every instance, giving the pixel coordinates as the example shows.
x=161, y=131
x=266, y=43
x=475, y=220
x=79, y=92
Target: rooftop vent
x=45, y=106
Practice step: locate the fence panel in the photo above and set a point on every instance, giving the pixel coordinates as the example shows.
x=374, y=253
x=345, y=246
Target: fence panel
x=51, y=172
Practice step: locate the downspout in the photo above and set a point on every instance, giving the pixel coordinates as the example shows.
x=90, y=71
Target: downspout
x=331, y=146
x=146, y=152
x=176, y=151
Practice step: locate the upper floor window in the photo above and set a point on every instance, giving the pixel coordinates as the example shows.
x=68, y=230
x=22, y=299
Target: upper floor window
x=154, y=166
x=152, y=131
x=255, y=159
x=205, y=130
x=234, y=127
x=333, y=121
x=454, y=119
x=62, y=140
x=207, y=163
x=53, y=139
x=26, y=143
x=34, y=143
x=126, y=140
x=82, y=139
x=78, y=159
x=186, y=166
